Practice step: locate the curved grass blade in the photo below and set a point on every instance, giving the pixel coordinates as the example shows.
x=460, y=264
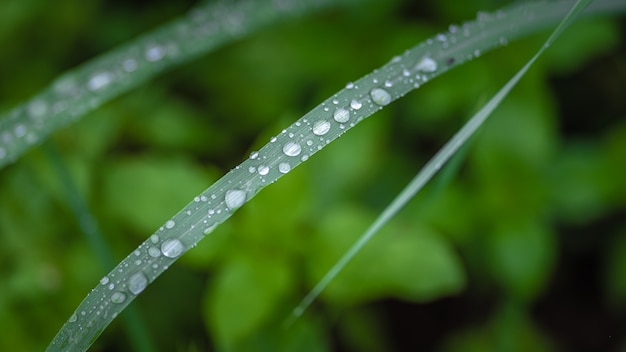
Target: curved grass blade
x=431, y=168
x=88, y=86
x=291, y=147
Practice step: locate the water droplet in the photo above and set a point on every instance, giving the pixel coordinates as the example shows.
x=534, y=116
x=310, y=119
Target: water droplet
x=118, y=297
x=172, y=248
x=73, y=318
x=380, y=96
x=355, y=104
x=341, y=115
x=252, y=169
x=263, y=170
x=104, y=280
x=441, y=37
x=292, y=149
x=137, y=283
x=37, y=108
x=99, y=81
x=129, y=65
x=350, y=85
x=254, y=155
x=235, y=198
x=155, y=53
x=169, y=224
x=154, y=252
x=284, y=168
x=388, y=84
x=20, y=131
x=154, y=238
x=321, y=127
x=426, y=64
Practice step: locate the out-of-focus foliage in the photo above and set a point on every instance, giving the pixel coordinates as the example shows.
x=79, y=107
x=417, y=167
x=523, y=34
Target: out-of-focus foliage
x=534, y=213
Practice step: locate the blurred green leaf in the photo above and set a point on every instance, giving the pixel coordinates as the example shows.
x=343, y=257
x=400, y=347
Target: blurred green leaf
x=404, y=261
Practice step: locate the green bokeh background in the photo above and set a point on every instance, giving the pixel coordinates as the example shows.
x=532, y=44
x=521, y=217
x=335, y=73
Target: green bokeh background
x=519, y=245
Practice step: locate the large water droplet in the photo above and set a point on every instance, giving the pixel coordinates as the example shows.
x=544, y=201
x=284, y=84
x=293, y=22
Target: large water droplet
x=104, y=280
x=137, y=283
x=263, y=170
x=426, y=64
x=355, y=104
x=172, y=248
x=99, y=81
x=292, y=149
x=341, y=115
x=235, y=198
x=284, y=168
x=380, y=96
x=118, y=297
x=170, y=224
x=321, y=127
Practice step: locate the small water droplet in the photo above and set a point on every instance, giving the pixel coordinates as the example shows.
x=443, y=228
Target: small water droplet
x=111, y=286
x=284, y=168
x=254, y=155
x=137, y=283
x=170, y=224
x=104, y=280
x=388, y=84
x=154, y=238
x=155, y=53
x=426, y=64
x=263, y=170
x=129, y=65
x=350, y=85
x=321, y=127
x=99, y=81
x=172, y=248
x=341, y=115
x=235, y=198
x=380, y=96
x=252, y=169
x=292, y=149
x=118, y=297
x=441, y=37
x=154, y=252
x=73, y=318
x=355, y=104
x=20, y=131
x=209, y=229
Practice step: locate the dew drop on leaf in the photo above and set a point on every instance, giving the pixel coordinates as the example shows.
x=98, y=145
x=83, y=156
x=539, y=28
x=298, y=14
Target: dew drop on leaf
x=426, y=64
x=341, y=115
x=284, y=168
x=99, y=81
x=172, y=248
x=235, y=198
x=118, y=297
x=292, y=149
x=380, y=96
x=321, y=127
x=137, y=283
